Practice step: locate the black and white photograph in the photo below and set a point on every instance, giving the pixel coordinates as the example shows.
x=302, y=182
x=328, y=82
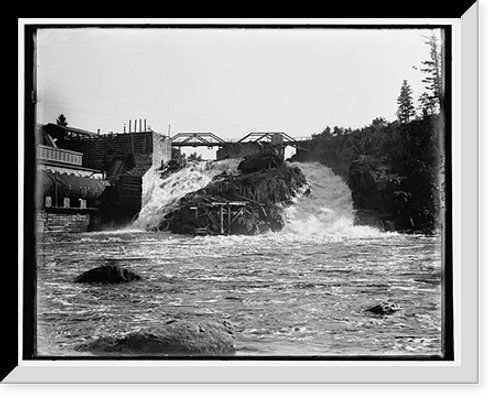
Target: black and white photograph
x=241, y=192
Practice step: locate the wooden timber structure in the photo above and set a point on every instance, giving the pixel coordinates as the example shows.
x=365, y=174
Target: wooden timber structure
x=126, y=162
x=221, y=216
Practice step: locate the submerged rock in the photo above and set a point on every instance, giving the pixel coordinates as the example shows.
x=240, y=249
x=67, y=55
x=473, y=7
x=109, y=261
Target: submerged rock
x=174, y=337
x=384, y=308
x=108, y=273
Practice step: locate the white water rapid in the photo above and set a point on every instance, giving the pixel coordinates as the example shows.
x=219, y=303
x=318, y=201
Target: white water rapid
x=326, y=210
x=165, y=193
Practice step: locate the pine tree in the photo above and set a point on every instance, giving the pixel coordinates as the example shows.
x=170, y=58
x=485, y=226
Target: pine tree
x=431, y=101
x=61, y=120
x=426, y=106
x=195, y=156
x=406, y=109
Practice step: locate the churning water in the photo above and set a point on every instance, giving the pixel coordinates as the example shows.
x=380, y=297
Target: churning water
x=166, y=192
x=301, y=291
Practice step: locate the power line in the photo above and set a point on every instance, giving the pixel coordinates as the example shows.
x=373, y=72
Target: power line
x=143, y=106
x=122, y=116
x=81, y=111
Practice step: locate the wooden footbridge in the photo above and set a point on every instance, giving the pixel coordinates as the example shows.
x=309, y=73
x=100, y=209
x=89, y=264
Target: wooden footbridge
x=209, y=139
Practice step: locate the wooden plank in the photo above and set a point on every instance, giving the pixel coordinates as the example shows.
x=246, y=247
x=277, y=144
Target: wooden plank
x=212, y=219
x=235, y=217
x=222, y=219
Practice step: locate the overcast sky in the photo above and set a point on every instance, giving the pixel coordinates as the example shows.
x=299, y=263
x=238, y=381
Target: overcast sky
x=226, y=81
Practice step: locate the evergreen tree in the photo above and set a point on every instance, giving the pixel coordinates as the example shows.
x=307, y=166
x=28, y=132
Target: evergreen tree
x=431, y=101
x=61, y=120
x=406, y=109
x=427, y=106
x=379, y=122
x=195, y=156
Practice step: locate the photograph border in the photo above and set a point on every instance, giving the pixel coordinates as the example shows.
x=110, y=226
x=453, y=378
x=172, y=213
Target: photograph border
x=25, y=358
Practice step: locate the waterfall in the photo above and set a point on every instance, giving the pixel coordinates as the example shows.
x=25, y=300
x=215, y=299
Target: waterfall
x=165, y=190
x=327, y=209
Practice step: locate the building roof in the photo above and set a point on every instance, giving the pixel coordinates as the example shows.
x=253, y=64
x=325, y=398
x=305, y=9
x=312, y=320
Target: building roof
x=72, y=130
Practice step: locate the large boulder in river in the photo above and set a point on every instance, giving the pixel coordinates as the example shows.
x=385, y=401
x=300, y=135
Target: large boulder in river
x=384, y=308
x=108, y=273
x=173, y=338
x=258, y=162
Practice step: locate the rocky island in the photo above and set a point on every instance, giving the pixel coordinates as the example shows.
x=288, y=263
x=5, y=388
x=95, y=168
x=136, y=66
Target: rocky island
x=248, y=203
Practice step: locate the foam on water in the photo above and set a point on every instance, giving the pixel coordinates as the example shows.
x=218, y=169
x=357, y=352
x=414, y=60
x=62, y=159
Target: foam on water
x=167, y=192
x=327, y=209
x=324, y=214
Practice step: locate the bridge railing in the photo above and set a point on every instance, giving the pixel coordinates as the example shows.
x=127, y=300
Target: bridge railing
x=209, y=141
x=236, y=140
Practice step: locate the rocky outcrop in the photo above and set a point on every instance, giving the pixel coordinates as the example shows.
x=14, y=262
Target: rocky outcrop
x=335, y=152
x=107, y=274
x=379, y=195
x=256, y=200
x=259, y=162
x=175, y=337
x=384, y=198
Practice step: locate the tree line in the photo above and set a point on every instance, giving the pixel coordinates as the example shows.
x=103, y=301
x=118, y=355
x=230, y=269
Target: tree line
x=411, y=143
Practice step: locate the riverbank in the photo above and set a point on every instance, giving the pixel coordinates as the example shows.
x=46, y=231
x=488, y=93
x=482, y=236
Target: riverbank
x=395, y=171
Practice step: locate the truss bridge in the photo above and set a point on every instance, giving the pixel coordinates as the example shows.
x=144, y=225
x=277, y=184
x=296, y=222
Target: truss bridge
x=209, y=139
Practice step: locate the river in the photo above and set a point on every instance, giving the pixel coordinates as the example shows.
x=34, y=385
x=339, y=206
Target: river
x=301, y=291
